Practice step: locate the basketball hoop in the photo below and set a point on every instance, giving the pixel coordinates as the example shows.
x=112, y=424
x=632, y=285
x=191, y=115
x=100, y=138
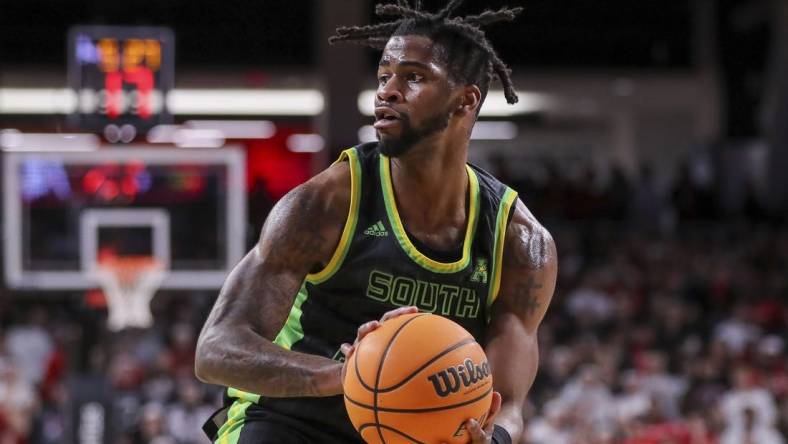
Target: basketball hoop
x=129, y=284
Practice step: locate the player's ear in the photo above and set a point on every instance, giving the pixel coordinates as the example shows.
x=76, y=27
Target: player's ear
x=470, y=100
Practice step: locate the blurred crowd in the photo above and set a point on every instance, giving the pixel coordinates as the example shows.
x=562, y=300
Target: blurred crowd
x=60, y=367
x=665, y=340
x=668, y=326
x=670, y=319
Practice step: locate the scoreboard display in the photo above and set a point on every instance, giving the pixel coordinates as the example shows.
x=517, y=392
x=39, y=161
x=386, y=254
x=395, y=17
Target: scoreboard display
x=121, y=76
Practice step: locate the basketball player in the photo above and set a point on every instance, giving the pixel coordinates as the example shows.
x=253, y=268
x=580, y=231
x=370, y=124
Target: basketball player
x=402, y=222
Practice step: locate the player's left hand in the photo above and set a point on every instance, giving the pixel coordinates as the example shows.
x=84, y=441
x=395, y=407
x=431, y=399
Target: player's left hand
x=369, y=327
x=482, y=433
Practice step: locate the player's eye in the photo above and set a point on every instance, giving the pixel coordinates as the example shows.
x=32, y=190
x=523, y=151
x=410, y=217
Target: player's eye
x=382, y=79
x=415, y=77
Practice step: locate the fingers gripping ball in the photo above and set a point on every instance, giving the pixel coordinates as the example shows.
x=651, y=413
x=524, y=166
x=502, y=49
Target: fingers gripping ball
x=417, y=379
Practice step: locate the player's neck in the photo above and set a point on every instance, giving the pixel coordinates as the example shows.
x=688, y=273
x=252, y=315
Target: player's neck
x=431, y=180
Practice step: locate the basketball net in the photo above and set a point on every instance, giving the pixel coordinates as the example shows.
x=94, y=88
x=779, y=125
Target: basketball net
x=129, y=284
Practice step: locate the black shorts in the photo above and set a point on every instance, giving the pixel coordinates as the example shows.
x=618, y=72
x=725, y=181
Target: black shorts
x=248, y=423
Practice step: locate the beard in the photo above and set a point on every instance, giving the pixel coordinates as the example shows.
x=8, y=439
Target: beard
x=396, y=146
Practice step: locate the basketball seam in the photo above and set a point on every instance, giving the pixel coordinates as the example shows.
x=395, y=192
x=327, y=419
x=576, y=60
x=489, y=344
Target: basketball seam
x=424, y=410
x=465, y=341
x=380, y=370
x=369, y=424
x=358, y=372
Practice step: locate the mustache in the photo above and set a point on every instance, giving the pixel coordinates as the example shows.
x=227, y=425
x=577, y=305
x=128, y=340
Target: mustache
x=402, y=115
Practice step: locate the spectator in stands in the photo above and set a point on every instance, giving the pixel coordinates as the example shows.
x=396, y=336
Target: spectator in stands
x=18, y=403
x=737, y=332
x=750, y=411
x=635, y=402
x=188, y=413
x=665, y=389
x=29, y=345
x=549, y=428
x=152, y=426
x=587, y=401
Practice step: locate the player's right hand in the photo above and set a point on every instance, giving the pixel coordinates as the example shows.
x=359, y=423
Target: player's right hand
x=367, y=328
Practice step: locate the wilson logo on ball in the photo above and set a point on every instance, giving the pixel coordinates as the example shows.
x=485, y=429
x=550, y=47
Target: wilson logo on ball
x=450, y=380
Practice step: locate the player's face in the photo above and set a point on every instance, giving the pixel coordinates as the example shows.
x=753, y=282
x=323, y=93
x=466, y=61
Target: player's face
x=413, y=96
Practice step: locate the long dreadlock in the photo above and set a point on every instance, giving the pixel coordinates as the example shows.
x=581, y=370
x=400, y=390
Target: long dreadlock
x=472, y=57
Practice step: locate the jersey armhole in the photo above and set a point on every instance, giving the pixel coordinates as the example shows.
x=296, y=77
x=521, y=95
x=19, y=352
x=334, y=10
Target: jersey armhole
x=505, y=209
x=351, y=156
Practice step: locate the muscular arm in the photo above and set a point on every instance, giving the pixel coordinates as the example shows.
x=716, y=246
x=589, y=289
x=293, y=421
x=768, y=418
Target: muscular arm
x=527, y=284
x=235, y=347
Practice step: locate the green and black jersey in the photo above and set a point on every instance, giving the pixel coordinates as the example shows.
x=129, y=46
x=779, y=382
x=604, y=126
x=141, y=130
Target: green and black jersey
x=377, y=267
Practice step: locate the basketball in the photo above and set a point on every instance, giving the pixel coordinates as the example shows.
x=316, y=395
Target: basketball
x=417, y=378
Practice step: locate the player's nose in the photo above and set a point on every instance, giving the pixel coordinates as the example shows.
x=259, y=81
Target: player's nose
x=389, y=93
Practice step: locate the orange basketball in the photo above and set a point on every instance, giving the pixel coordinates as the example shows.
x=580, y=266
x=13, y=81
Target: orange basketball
x=417, y=378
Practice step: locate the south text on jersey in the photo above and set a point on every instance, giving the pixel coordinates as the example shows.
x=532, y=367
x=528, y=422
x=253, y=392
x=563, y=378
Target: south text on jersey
x=443, y=299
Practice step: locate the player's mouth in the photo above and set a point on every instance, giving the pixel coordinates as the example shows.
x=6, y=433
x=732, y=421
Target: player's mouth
x=386, y=118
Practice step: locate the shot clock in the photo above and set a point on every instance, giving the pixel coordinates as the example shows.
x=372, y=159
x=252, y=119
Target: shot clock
x=121, y=76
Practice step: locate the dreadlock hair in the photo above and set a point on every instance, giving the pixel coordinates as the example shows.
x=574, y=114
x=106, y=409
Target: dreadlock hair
x=466, y=51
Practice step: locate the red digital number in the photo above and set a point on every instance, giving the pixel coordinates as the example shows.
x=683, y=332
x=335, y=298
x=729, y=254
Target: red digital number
x=113, y=84
x=142, y=77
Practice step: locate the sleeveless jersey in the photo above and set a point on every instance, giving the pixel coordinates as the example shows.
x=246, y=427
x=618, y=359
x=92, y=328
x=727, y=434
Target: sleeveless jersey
x=376, y=267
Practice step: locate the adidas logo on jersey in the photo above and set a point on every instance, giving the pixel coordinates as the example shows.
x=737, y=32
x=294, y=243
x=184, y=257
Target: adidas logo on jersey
x=376, y=230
